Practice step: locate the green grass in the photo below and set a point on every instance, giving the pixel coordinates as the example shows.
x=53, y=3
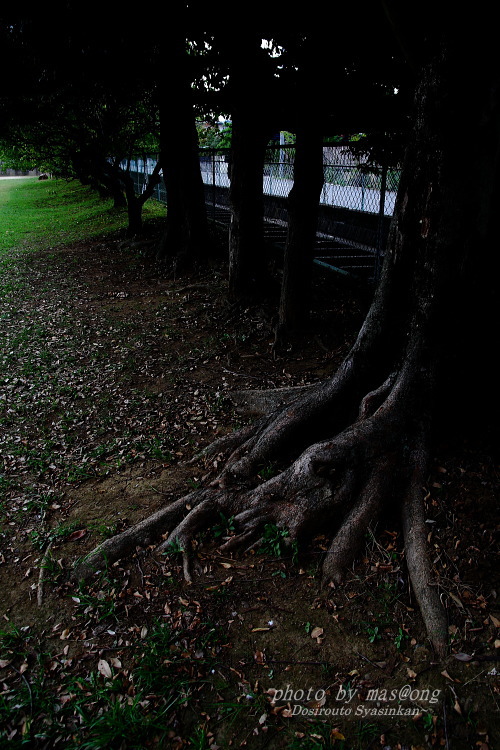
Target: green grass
x=55, y=212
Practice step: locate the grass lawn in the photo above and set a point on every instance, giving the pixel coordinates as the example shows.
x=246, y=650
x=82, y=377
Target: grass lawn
x=54, y=212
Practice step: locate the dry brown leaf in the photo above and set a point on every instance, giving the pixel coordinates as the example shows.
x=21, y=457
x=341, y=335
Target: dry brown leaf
x=455, y=599
x=104, y=668
x=259, y=657
x=462, y=657
x=495, y=621
x=77, y=535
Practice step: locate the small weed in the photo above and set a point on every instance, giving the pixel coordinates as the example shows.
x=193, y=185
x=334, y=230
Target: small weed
x=100, y=601
x=400, y=638
x=373, y=633
x=42, y=538
x=173, y=548
x=105, y=530
x=273, y=541
x=269, y=471
x=53, y=570
x=200, y=739
x=428, y=721
x=225, y=527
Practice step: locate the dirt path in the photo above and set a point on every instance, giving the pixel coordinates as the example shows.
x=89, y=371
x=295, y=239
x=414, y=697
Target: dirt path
x=113, y=375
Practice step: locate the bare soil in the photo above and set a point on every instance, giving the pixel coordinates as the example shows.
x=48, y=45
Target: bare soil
x=120, y=373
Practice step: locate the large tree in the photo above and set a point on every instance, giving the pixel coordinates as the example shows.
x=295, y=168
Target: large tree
x=360, y=440
x=252, y=114
x=186, y=238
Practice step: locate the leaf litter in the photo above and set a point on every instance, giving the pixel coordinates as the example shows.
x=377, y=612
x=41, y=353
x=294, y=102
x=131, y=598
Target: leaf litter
x=113, y=375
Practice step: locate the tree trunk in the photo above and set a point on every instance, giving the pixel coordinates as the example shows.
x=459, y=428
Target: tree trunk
x=248, y=270
x=247, y=262
x=186, y=238
x=302, y=223
x=135, y=203
x=348, y=444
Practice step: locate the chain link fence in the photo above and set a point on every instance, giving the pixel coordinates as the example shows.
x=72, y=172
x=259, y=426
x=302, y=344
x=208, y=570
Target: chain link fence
x=350, y=181
x=356, y=203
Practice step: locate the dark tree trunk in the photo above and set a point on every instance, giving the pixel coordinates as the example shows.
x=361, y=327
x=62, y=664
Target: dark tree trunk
x=135, y=203
x=186, y=237
x=248, y=267
x=302, y=223
x=362, y=437
x=247, y=261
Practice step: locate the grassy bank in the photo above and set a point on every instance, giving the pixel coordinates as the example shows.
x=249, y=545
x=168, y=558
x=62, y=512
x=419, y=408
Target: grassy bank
x=55, y=212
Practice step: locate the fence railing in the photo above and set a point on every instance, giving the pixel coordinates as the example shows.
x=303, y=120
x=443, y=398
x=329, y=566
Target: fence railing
x=350, y=181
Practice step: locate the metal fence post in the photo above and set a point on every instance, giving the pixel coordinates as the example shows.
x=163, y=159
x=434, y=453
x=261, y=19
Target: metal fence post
x=213, y=185
x=381, y=218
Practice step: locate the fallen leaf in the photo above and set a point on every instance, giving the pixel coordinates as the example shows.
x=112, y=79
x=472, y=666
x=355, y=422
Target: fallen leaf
x=77, y=535
x=462, y=657
x=259, y=657
x=455, y=599
x=4, y=663
x=411, y=673
x=104, y=668
x=495, y=621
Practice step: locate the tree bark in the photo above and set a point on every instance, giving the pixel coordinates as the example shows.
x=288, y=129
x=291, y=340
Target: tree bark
x=247, y=262
x=251, y=132
x=135, y=203
x=186, y=238
x=302, y=223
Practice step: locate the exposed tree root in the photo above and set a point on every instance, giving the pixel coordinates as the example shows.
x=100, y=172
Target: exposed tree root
x=254, y=402
x=417, y=558
x=342, y=483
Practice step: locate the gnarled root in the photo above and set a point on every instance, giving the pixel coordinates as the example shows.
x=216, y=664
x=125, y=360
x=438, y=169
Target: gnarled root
x=339, y=484
x=417, y=558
